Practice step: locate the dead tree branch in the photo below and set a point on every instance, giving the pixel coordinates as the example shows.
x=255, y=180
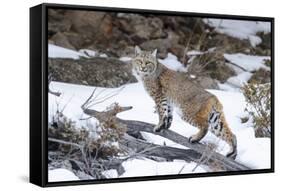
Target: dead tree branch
x=141, y=147
x=50, y=78
x=135, y=127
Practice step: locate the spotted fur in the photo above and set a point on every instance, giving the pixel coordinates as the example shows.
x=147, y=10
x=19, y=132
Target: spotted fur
x=169, y=88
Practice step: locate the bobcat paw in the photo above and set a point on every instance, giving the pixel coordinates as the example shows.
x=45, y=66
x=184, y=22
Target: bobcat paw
x=160, y=127
x=157, y=128
x=192, y=139
x=168, y=122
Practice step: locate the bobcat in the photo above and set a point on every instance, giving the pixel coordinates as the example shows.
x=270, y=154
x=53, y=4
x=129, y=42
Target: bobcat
x=169, y=88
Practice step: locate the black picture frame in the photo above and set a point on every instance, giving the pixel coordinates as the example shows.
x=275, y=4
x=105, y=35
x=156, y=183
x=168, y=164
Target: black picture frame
x=39, y=91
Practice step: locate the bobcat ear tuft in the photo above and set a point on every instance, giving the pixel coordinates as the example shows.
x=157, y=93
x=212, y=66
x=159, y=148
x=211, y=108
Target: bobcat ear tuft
x=137, y=50
x=154, y=53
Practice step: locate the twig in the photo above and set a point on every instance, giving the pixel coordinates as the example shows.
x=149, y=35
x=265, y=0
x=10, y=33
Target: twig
x=181, y=169
x=76, y=145
x=50, y=78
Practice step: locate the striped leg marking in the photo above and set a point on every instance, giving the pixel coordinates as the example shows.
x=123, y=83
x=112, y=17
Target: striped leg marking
x=215, y=123
x=165, y=112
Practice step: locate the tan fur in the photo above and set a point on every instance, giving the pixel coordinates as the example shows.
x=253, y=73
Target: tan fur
x=194, y=102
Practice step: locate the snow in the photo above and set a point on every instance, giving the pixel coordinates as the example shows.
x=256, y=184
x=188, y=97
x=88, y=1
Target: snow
x=112, y=173
x=194, y=53
x=171, y=62
x=244, y=30
x=239, y=80
x=248, y=62
x=147, y=167
x=244, y=66
x=252, y=151
x=125, y=59
x=60, y=52
x=58, y=175
x=103, y=55
x=90, y=53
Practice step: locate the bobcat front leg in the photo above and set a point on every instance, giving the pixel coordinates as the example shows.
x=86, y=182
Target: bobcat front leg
x=165, y=113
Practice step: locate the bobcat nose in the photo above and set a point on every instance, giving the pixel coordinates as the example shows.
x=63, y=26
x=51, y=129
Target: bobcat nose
x=143, y=69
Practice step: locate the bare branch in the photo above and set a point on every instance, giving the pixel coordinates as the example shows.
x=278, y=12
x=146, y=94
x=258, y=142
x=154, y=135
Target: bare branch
x=50, y=78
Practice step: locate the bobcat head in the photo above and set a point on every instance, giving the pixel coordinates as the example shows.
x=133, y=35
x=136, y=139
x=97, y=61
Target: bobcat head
x=145, y=62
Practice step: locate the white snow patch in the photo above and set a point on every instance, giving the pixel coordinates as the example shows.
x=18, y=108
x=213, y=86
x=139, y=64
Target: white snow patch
x=60, y=174
x=171, y=62
x=125, y=59
x=194, y=53
x=228, y=87
x=244, y=30
x=103, y=55
x=60, y=52
x=248, y=62
x=197, y=52
x=249, y=156
x=87, y=52
x=147, y=167
x=112, y=173
x=239, y=80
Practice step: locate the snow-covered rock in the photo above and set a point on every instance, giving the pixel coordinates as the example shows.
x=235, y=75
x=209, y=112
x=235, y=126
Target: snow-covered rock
x=244, y=30
x=248, y=62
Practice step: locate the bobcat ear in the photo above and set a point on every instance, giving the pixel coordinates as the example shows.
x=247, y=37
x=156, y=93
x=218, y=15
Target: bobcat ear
x=154, y=53
x=137, y=50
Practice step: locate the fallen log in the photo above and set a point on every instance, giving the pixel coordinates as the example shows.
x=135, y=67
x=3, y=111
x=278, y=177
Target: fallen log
x=135, y=127
x=141, y=147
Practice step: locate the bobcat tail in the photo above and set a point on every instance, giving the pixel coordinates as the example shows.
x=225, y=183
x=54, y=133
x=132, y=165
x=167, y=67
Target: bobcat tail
x=219, y=127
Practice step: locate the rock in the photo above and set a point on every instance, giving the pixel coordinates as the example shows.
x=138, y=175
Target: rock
x=142, y=27
x=57, y=22
x=206, y=82
x=90, y=23
x=219, y=70
x=60, y=39
x=211, y=65
x=264, y=48
x=163, y=45
x=261, y=76
x=97, y=71
x=227, y=44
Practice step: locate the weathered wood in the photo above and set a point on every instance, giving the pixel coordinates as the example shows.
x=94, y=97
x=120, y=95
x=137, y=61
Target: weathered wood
x=135, y=127
x=141, y=147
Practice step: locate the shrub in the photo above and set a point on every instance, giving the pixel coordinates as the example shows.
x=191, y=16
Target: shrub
x=103, y=144
x=258, y=98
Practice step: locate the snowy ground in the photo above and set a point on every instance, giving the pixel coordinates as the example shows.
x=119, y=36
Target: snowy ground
x=252, y=152
x=61, y=174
